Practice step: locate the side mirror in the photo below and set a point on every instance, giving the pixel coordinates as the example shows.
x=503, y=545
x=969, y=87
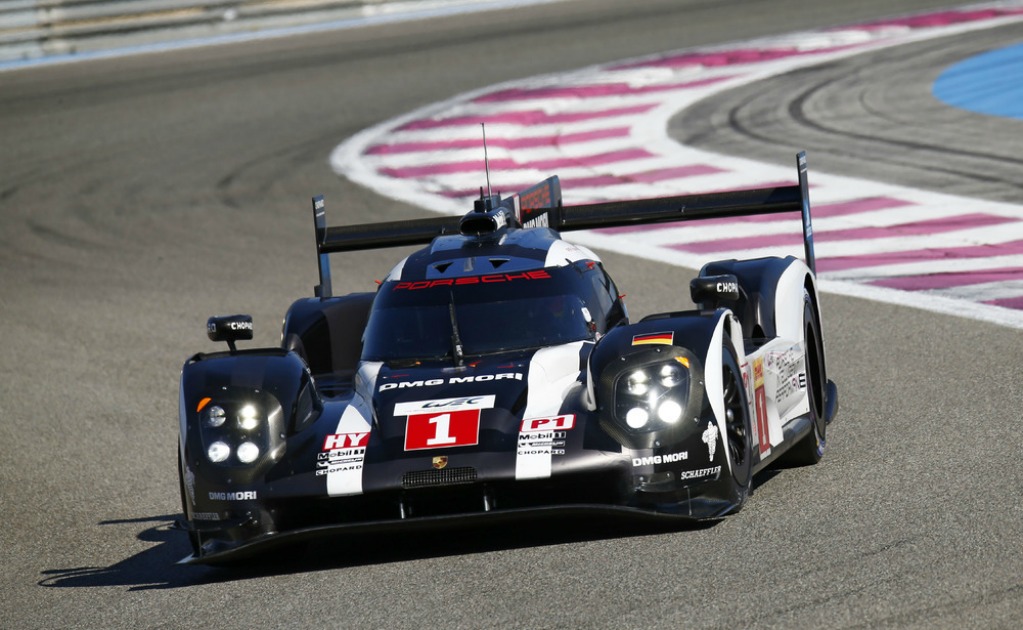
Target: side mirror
x=229, y=328
x=709, y=291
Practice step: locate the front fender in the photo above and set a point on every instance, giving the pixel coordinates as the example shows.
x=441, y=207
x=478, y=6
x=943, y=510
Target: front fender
x=231, y=402
x=694, y=337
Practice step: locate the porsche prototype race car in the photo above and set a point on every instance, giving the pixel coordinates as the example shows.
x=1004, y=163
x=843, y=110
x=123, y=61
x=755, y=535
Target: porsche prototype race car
x=495, y=373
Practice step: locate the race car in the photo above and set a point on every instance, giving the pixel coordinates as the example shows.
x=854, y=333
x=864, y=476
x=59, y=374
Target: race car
x=495, y=374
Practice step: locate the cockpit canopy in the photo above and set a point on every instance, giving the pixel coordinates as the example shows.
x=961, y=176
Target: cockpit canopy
x=492, y=314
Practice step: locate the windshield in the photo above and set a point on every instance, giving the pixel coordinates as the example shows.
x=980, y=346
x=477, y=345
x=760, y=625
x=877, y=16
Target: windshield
x=495, y=313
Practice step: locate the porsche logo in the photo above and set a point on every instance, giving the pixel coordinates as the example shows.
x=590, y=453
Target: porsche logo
x=440, y=461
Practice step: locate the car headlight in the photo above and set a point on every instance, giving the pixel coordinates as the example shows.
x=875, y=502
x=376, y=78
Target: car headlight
x=637, y=417
x=215, y=416
x=247, y=452
x=669, y=411
x=653, y=395
x=638, y=383
x=248, y=418
x=648, y=396
x=235, y=431
x=218, y=452
x=672, y=375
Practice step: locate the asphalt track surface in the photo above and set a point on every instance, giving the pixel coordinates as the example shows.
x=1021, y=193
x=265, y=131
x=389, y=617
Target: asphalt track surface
x=140, y=195
x=873, y=115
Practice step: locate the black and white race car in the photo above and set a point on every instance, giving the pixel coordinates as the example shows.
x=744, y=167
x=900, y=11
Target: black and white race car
x=495, y=373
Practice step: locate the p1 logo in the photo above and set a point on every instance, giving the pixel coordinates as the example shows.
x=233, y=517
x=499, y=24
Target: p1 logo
x=553, y=423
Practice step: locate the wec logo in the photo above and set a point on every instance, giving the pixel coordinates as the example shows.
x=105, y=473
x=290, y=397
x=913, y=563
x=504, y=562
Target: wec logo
x=444, y=404
x=469, y=401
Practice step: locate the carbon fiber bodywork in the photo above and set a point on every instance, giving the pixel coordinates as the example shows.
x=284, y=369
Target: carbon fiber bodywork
x=501, y=378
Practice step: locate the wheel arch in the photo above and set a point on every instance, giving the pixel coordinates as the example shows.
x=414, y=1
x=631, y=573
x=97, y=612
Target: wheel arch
x=810, y=284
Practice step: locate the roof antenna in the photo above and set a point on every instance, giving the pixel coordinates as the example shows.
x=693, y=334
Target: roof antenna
x=486, y=160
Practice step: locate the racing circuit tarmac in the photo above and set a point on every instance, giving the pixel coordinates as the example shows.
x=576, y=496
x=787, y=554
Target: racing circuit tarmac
x=140, y=195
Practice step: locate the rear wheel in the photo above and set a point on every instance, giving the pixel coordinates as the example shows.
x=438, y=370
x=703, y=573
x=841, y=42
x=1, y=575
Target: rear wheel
x=810, y=448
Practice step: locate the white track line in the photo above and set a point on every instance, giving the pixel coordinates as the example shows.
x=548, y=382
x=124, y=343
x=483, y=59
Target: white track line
x=646, y=94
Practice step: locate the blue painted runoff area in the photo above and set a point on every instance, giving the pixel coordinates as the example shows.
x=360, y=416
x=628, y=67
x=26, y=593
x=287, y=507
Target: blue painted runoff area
x=990, y=83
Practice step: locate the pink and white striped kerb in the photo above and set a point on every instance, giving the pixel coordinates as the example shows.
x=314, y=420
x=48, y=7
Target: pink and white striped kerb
x=603, y=130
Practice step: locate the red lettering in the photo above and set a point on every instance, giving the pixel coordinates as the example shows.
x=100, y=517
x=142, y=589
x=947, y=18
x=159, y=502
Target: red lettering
x=538, y=274
x=760, y=407
x=561, y=423
x=345, y=440
x=536, y=199
x=763, y=429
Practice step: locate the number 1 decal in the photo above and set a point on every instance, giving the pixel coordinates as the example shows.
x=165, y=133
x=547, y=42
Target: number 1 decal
x=442, y=435
x=445, y=430
x=760, y=398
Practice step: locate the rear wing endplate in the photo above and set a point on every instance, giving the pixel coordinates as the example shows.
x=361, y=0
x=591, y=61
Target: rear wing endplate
x=541, y=205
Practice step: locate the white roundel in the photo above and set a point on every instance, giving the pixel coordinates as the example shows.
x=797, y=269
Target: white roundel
x=395, y=273
x=563, y=253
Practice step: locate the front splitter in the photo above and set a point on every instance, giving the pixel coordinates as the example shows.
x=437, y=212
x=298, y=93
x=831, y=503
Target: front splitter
x=707, y=510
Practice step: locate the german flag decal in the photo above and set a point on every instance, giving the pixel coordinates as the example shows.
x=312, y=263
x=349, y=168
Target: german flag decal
x=660, y=338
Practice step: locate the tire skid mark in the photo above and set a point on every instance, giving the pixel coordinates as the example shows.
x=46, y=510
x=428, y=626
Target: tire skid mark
x=603, y=130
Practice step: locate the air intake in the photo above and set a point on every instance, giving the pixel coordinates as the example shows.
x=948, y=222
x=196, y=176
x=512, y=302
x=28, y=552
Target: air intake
x=434, y=478
x=478, y=223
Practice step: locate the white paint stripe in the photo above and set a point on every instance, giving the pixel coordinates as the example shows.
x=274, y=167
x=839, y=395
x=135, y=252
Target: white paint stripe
x=1000, y=290
x=347, y=479
x=648, y=132
x=933, y=303
x=356, y=418
x=443, y=157
x=559, y=105
x=529, y=127
x=697, y=232
x=530, y=464
x=533, y=458
x=868, y=249
x=506, y=130
x=927, y=267
x=936, y=304
x=552, y=372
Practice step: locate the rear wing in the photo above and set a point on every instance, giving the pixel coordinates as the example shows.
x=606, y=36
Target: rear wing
x=541, y=206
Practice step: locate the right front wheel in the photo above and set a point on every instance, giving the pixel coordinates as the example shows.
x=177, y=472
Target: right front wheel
x=738, y=430
x=193, y=537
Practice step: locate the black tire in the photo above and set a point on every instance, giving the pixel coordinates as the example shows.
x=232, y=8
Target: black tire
x=193, y=537
x=738, y=428
x=810, y=449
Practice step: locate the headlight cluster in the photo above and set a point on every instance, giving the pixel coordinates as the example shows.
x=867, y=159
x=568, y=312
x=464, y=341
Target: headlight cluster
x=653, y=396
x=233, y=432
